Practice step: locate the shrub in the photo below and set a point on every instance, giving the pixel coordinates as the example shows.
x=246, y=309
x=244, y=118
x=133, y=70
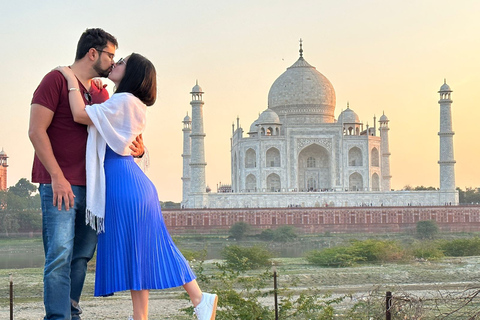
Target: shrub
x=239, y=229
x=266, y=235
x=281, y=234
x=461, y=247
x=333, y=257
x=426, y=250
x=427, y=229
x=246, y=258
x=372, y=251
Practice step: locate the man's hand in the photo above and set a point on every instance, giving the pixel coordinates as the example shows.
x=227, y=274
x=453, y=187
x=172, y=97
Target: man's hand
x=137, y=147
x=62, y=193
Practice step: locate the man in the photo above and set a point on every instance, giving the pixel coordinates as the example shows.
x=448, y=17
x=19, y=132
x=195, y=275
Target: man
x=59, y=167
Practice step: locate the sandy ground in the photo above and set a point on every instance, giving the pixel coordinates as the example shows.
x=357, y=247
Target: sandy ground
x=162, y=306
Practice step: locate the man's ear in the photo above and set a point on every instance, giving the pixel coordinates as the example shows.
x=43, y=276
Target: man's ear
x=92, y=54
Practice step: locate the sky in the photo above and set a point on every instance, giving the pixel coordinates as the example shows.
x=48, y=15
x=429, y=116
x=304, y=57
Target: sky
x=380, y=55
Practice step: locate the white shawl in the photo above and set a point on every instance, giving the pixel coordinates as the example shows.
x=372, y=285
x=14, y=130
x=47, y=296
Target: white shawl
x=116, y=122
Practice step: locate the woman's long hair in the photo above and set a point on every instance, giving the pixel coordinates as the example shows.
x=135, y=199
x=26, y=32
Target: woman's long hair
x=140, y=79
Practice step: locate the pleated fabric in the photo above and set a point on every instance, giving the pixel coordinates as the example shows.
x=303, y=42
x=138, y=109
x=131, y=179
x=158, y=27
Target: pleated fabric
x=136, y=251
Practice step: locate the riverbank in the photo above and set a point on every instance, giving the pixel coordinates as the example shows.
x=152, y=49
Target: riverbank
x=417, y=283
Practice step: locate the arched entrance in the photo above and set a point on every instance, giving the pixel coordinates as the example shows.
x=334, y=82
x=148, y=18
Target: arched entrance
x=314, y=169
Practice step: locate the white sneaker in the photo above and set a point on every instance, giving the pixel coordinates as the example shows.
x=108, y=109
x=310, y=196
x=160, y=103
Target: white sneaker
x=207, y=308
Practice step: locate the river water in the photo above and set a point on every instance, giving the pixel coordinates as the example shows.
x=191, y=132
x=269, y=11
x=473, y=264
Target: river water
x=29, y=253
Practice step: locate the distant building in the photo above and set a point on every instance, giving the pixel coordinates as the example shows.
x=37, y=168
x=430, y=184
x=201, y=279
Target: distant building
x=3, y=170
x=297, y=154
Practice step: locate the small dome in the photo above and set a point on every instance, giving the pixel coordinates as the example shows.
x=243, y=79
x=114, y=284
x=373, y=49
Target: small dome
x=253, y=127
x=383, y=118
x=197, y=89
x=3, y=153
x=187, y=118
x=268, y=117
x=348, y=116
x=445, y=87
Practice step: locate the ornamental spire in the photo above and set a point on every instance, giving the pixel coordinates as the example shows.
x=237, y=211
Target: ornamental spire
x=301, y=50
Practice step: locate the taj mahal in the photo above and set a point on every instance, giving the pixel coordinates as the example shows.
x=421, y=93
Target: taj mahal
x=297, y=154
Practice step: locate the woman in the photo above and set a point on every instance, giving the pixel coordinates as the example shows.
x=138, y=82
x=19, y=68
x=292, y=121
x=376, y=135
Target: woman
x=135, y=251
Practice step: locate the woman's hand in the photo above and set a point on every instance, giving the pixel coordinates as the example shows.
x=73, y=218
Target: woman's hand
x=67, y=73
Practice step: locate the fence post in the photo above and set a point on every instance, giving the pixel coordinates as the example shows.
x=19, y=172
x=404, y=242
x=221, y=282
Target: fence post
x=388, y=306
x=275, y=290
x=11, y=297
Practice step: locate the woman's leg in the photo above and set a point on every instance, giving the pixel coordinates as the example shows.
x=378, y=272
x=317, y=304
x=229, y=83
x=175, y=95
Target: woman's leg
x=140, y=304
x=193, y=291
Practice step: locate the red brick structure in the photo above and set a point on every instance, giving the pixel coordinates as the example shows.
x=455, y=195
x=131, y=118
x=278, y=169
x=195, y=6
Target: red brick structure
x=316, y=220
x=3, y=170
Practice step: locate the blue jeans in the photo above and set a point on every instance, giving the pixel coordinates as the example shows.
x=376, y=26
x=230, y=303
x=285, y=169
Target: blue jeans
x=68, y=244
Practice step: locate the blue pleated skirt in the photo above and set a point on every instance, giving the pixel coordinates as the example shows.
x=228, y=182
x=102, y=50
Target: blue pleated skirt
x=136, y=251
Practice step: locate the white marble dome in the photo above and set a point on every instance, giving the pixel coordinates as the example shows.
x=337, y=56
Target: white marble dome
x=445, y=87
x=302, y=90
x=197, y=89
x=348, y=116
x=383, y=118
x=268, y=117
x=253, y=127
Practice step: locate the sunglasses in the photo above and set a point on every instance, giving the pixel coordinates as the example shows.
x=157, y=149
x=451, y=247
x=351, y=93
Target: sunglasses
x=120, y=61
x=88, y=97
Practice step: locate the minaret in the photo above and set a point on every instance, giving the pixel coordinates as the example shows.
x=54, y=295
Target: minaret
x=447, y=162
x=187, y=129
x=197, y=160
x=3, y=170
x=385, y=150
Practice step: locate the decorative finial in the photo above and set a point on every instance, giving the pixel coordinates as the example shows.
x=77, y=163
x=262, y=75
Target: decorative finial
x=444, y=80
x=348, y=105
x=301, y=50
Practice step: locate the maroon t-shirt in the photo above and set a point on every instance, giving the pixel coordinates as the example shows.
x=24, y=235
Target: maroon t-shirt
x=68, y=138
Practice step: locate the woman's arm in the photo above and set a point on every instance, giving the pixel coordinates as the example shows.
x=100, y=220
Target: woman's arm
x=77, y=105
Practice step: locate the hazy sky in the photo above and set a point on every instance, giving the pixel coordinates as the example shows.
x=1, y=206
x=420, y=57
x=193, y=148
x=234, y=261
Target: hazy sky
x=380, y=56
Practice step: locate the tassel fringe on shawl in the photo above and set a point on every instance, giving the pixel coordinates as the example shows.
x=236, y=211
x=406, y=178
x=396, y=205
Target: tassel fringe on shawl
x=116, y=122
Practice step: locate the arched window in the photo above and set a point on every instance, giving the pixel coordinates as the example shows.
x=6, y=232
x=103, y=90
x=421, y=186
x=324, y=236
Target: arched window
x=269, y=131
x=273, y=183
x=311, y=162
x=375, y=158
x=375, y=182
x=251, y=185
x=355, y=157
x=355, y=182
x=273, y=157
x=314, y=168
x=311, y=184
x=250, y=159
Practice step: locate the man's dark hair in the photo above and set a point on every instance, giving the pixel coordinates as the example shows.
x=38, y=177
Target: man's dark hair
x=140, y=79
x=93, y=38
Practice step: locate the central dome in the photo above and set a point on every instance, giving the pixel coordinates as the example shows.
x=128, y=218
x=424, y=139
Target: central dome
x=302, y=92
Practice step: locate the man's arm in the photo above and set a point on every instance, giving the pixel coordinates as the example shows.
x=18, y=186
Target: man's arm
x=40, y=119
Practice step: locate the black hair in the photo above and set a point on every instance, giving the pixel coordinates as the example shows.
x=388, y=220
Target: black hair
x=93, y=38
x=140, y=79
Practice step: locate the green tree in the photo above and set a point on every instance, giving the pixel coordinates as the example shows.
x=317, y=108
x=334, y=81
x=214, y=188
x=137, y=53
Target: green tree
x=246, y=258
x=23, y=188
x=427, y=229
x=20, y=208
x=239, y=230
